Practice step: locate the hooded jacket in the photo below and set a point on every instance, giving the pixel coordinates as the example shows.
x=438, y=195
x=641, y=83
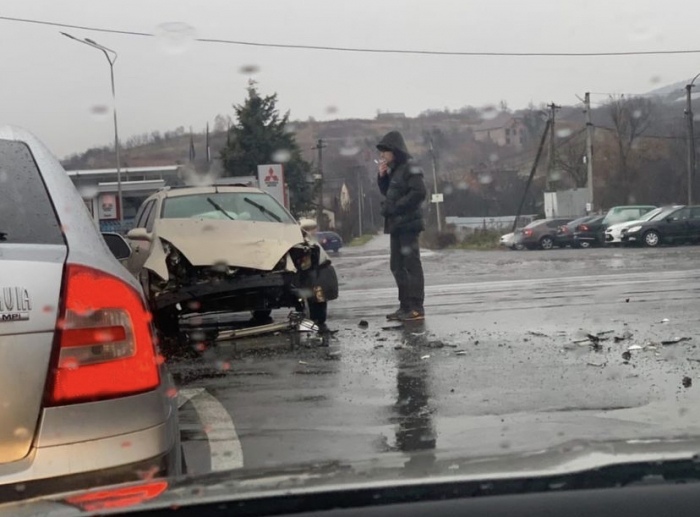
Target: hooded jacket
x=403, y=188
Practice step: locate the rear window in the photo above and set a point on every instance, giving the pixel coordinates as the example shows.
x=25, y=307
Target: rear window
x=26, y=212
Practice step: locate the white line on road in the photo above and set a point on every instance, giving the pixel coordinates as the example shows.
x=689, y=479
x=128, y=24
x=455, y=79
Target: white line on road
x=224, y=445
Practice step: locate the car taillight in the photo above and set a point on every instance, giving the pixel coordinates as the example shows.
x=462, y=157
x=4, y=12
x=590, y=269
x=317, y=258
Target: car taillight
x=323, y=241
x=106, y=346
x=584, y=228
x=527, y=233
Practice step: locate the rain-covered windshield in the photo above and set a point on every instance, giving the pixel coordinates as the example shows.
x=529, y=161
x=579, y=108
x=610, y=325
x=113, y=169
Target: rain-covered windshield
x=386, y=239
x=236, y=206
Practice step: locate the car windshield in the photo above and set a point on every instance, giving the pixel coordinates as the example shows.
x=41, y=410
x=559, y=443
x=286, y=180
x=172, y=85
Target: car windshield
x=272, y=246
x=238, y=206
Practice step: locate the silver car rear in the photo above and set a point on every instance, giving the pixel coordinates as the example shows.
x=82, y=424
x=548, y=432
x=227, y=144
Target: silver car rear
x=44, y=225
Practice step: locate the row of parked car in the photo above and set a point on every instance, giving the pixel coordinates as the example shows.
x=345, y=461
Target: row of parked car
x=645, y=225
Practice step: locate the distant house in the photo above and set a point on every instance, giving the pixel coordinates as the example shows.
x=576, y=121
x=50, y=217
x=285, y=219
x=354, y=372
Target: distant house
x=503, y=130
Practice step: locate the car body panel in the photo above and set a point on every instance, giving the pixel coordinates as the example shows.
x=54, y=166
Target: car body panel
x=66, y=440
x=613, y=233
x=329, y=241
x=540, y=229
x=246, y=244
x=682, y=224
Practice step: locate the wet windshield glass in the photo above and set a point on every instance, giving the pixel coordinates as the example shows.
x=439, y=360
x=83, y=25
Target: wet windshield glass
x=235, y=206
x=272, y=245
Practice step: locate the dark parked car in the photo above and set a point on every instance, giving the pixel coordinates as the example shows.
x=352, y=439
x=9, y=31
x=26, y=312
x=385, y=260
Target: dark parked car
x=540, y=234
x=330, y=241
x=677, y=226
x=589, y=233
x=565, y=233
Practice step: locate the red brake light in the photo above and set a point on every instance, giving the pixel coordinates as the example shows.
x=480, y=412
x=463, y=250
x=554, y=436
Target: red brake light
x=584, y=228
x=527, y=232
x=106, y=347
x=122, y=497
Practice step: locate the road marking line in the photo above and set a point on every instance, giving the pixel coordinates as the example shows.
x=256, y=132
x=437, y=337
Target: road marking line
x=224, y=445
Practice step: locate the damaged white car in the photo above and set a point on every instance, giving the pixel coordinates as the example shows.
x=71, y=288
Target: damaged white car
x=230, y=249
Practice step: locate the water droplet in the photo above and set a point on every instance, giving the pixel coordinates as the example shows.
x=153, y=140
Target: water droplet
x=448, y=190
x=631, y=199
x=249, y=69
x=564, y=132
x=172, y=393
x=195, y=305
x=290, y=128
x=3, y=176
x=485, y=178
x=331, y=110
x=148, y=474
x=463, y=185
x=640, y=28
x=104, y=336
x=200, y=347
x=69, y=363
x=21, y=487
x=281, y=156
x=555, y=176
x=88, y=191
x=655, y=79
x=159, y=359
x=220, y=266
x=126, y=445
x=349, y=150
x=406, y=250
x=175, y=37
x=637, y=113
x=493, y=157
x=225, y=366
x=100, y=112
x=21, y=432
x=488, y=112
x=47, y=308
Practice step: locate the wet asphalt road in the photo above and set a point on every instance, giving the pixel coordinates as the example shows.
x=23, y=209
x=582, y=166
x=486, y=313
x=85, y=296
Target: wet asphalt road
x=502, y=363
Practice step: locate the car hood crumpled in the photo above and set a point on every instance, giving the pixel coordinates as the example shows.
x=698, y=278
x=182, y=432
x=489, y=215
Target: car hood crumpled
x=246, y=244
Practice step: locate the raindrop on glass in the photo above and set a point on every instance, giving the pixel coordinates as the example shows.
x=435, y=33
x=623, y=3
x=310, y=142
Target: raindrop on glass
x=331, y=110
x=349, y=150
x=88, y=191
x=448, y=190
x=564, y=132
x=493, y=157
x=556, y=176
x=406, y=250
x=172, y=393
x=637, y=113
x=485, y=178
x=100, y=112
x=463, y=185
x=47, y=308
x=281, y=156
x=655, y=79
x=249, y=69
x=488, y=112
x=20, y=432
x=175, y=37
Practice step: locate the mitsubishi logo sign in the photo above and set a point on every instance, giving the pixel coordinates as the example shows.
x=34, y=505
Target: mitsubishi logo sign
x=271, y=180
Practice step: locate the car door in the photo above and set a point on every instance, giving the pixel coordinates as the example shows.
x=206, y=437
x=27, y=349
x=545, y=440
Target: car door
x=676, y=225
x=140, y=237
x=694, y=223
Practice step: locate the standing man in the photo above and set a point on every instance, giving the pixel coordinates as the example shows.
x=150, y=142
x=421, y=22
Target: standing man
x=401, y=183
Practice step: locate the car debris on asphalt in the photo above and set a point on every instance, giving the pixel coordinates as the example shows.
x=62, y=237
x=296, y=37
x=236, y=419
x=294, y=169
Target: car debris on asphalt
x=363, y=324
x=424, y=357
x=675, y=340
x=687, y=382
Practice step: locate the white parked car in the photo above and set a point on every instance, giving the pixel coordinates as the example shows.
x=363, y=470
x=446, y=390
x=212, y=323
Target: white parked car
x=613, y=234
x=508, y=241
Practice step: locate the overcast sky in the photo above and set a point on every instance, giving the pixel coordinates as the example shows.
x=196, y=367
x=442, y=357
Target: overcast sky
x=50, y=84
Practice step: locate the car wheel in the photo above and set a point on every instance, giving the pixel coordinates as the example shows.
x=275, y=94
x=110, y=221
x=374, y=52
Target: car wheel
x=652, y=239
x=546, y=243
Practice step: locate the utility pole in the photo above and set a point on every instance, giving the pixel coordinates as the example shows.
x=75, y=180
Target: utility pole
x=691, y=140
x=320, y=145
x=589, y=149
x=359, y=200
x=552, y=148
x=435, y=185
x=532, y=174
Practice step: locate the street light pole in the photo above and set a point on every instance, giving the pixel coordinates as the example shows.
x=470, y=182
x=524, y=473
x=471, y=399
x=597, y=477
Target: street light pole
x=691, y=139
x=111, y=56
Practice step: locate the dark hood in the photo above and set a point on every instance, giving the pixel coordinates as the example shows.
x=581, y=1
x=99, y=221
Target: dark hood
x=394, y=142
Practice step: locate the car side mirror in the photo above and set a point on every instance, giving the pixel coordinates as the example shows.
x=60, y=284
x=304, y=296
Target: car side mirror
x=117, y=245
x=138, y=234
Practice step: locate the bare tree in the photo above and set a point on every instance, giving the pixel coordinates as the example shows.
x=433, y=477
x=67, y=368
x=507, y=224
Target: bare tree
x=631, y=117
x=570, y=160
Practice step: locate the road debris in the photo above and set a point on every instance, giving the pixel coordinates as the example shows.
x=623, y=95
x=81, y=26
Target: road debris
x=624, y=337
x=378, y=346
x=461, y=352
x=537, y=334
x=627, y=300
x=665, y=320
x=687, y=382
x=303, y=362
x=626, y=356
x=634, y=347
x=603, y=365
x=363, y=324
x=675, y=340
x=424, y=357
x=399, y=347
x=394, y=327
x=436, y=344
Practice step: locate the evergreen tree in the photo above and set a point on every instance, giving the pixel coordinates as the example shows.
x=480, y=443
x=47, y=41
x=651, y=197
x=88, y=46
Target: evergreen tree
x=260, y=136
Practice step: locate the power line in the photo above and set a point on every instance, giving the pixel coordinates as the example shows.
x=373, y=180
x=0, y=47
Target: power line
x=358, y=49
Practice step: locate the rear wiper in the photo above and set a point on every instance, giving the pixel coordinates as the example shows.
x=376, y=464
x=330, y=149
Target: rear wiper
x=219, y=208
x=263, y=209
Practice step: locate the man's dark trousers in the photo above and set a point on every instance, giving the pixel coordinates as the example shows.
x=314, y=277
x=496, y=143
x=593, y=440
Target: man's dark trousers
x=407, y=269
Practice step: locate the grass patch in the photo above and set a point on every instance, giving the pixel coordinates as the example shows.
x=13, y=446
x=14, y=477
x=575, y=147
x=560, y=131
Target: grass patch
x=480, y=240
x=361, y=240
